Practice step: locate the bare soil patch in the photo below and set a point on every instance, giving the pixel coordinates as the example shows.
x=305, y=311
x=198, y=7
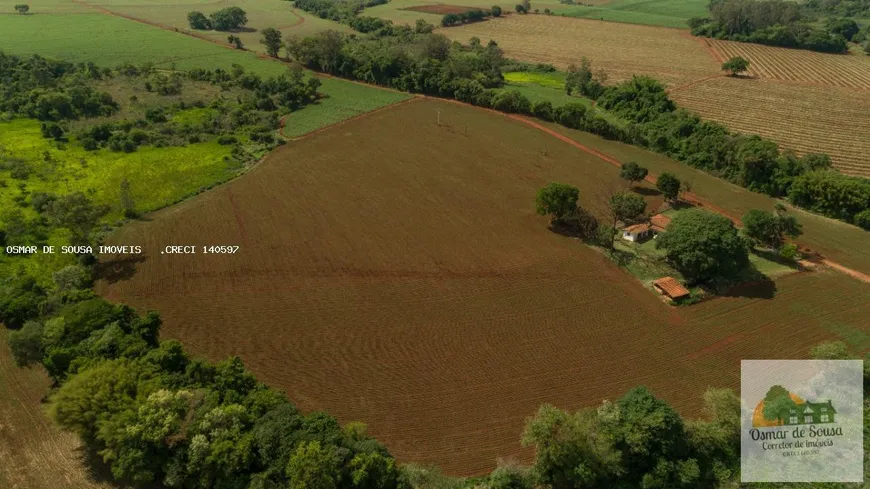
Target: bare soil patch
x=406, y=282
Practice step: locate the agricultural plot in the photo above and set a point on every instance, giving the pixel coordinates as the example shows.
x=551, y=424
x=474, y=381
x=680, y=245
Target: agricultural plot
x=805, y=119
x=35, y=454
x=109, y=41
x=409, y=284
x=261, y=14
x=800, y=66
x=837, y=240
x=620, y=50
x=664, y=13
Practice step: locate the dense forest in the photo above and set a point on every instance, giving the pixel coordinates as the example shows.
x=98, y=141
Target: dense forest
x=775, y=23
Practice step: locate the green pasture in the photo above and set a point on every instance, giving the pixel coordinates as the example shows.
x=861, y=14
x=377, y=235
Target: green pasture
x=664, y=13
x=343, y=101
x=157, y=176
x=110, y=41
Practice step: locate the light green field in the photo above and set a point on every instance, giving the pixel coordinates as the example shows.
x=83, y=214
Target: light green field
x=665, y=13
x=550, y=87
x=158, y=176
x=345, y=100
x=108, y=41
x=261, y=14
x=555, y=79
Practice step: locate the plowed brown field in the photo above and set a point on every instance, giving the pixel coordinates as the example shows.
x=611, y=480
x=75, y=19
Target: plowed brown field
x=393, y=271
x=805, y=119
x=796, y=65
x=622, y=50
x=34, y=454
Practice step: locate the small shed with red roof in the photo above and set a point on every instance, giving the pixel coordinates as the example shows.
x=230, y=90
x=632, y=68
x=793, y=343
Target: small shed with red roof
x=670, y=287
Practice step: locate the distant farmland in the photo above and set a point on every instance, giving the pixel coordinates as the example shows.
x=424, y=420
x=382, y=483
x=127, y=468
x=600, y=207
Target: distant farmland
x=805, y=101
x=795, y=65
x=408, y=284
x=621, y=50
x=806, y=119
x=109, y=41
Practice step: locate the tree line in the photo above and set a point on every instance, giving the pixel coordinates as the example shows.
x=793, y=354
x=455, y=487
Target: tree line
x=423, y=62
x=773, y=22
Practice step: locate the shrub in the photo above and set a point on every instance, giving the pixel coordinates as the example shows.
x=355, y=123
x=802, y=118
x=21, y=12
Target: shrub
x=198, y=20
x=496, y=11
x=862, y=219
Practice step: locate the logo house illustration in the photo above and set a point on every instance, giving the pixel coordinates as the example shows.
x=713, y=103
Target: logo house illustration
x=782, y=408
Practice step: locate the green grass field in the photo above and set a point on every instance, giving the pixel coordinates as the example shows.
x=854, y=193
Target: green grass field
x=110, y=41
x=157, y=177
x=665, y=13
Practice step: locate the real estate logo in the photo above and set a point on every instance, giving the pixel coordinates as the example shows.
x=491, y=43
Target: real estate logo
x=802, y=421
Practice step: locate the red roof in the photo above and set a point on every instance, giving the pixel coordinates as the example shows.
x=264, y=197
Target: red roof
x=671, y=287
x=660, y=222
x=638, y=228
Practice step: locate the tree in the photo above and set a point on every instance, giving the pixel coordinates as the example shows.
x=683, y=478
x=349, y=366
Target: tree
x=373, y=471
x=235, y=41
x=26, y=343
x=633, y=172
x=842, y=26
x=625, y=207
x=735, y=65
x=778, y=404
x=831, y=350
x=313, y=466
x=77, y=213
x=496, y=11
x=272, y=41
x=571, y=450
x=703, y=246
x=22, y=8
x=769, y=228
x=557, y=200
x=127, y=204
x=198, y=20
x=520, y=9
x=669, y=185
x=527, y=6
x=423, y=27
x=862, y=219
x=228, y=19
